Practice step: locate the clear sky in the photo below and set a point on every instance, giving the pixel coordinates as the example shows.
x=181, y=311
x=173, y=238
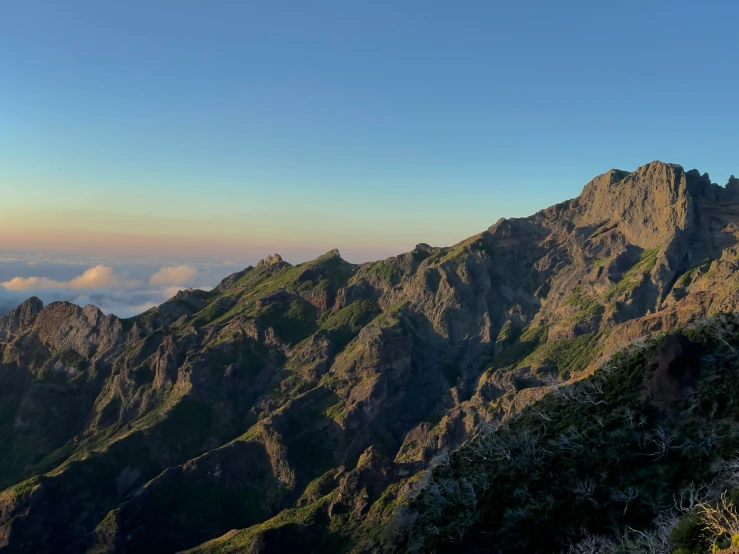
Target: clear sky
x=225, y=130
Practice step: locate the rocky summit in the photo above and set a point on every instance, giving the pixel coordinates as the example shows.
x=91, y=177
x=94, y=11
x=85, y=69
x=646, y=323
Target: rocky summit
x=555, y=383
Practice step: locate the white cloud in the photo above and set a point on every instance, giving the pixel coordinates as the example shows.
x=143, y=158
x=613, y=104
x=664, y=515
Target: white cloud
x=31, y=283
x=121, y=287
x=98, y=277
x=170, y=276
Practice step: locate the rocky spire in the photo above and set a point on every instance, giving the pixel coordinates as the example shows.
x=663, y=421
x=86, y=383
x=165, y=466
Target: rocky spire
x=648, y=205
x=273, y=259
x=20, y=318
x=733, y=186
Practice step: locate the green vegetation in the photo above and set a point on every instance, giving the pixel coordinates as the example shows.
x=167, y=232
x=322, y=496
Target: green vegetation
x=345, y=324
x=386, y=272
x=71, y=358
x=335, y=411
x=328, y=272
x=211, y=312
x=602, y=457
x=529, y=341
x=634, y=276
x=587, y=308
x=485, y=245
x=318, y=488
x=420, y=255
x=603, y=262
x=26, y=487
x=240, y=349
x=567, y=356
x=379, y=270
x=509, y=333
x=456, y=256
x=435, y=257
x=687, y=277
x=292, y=323
x=293, y=526
x=594, y=463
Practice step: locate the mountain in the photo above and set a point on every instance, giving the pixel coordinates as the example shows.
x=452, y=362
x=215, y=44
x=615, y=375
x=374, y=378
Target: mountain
x=414, y=403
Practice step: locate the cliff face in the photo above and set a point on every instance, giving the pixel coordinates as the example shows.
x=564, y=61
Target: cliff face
x=326, y=386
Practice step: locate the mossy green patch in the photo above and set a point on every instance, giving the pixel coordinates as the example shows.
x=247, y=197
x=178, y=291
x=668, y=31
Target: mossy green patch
x=26, y=487
x=588, y=308
x=345, y=324
x=292, y=322
x=377, y=270
x=687, y=277
x=293, y=527
x=71, y=358
x=603, y=262
x=323, y=273
x=567, y=356
x=509, y=333
x=529, y=340
x=635, y=276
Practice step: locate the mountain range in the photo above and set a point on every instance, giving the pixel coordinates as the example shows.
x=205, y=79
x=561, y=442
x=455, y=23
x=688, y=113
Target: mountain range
x=553, y=383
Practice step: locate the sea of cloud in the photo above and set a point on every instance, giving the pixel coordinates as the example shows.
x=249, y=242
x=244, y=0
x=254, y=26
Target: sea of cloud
x=124, y=288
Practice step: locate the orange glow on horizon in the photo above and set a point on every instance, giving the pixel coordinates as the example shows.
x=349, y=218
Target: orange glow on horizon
x=117, y=245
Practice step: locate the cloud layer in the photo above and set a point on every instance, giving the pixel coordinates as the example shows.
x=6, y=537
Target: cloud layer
x=178, y=275
x=103, y=277
x=124, y=290
x=98, y=277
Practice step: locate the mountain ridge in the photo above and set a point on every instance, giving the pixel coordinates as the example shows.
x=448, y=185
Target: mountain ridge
x=330, y=386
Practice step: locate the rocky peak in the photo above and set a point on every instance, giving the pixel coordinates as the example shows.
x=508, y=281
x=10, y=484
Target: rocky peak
x=63, y=325
x=93, y=314
x=273, y=259
x=649, y=205
x=20, y=318
x=231, y=279
x=29, y=309
x=701, y=187
x=733, y=186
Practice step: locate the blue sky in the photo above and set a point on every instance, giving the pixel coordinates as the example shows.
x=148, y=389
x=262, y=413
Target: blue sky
x=224, y=130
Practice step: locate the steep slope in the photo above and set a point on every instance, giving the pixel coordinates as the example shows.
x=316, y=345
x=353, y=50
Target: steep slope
x=637, y=446
x=294, y=401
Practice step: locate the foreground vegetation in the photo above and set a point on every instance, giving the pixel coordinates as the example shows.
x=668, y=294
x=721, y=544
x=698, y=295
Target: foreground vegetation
x=599, y=466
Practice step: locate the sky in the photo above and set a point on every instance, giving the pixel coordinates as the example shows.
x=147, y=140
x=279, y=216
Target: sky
x=145, y=135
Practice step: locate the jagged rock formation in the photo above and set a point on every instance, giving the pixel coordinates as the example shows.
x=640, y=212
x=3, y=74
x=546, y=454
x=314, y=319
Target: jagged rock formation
x=304, y=399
